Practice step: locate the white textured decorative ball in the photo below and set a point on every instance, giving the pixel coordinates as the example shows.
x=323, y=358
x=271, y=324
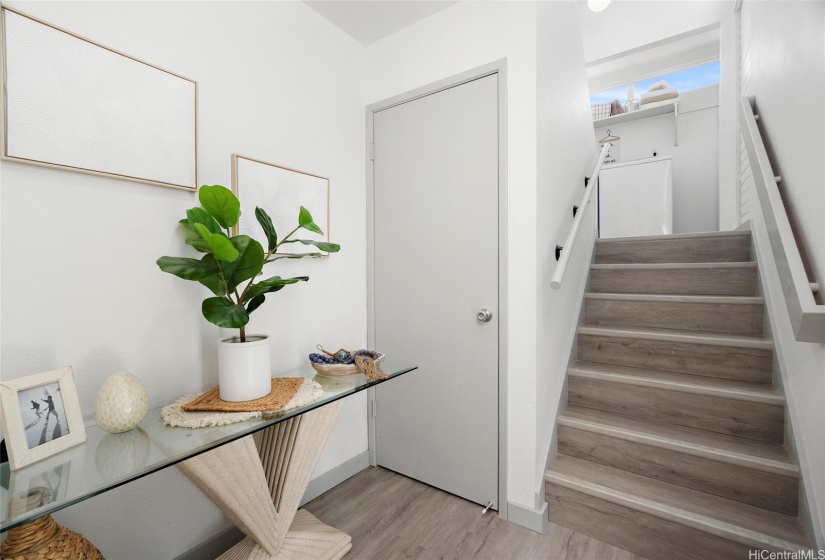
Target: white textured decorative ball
x=121, y=403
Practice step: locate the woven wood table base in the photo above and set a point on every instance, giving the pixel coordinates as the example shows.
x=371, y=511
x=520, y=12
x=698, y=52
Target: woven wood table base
x=44, y=539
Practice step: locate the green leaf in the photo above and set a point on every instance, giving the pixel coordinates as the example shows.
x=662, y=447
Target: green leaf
x=214, y=284
x=221, y=204
x=296, y=256
x=269, y=229
x=188, y=269
x=255, y=303
x=197, y=243
x=323, y=245
x=200, y=216
x=271, y=285
x=305, y=221
x=224, y=313
x=248, y=264
x=218, y=244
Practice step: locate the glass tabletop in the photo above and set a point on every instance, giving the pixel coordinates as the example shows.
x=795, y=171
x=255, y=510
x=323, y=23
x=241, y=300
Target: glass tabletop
x=105, y=461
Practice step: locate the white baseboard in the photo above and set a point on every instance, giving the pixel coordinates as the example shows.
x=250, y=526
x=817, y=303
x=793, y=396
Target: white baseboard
x=336, y=476
x=530, y=518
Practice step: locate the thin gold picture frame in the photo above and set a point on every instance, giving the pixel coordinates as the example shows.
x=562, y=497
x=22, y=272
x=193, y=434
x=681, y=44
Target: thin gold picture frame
x=235, y=191
x=4, y=101
x=15, y=432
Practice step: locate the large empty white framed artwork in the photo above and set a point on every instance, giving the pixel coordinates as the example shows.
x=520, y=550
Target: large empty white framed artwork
x=75, y=104
x=281, y=192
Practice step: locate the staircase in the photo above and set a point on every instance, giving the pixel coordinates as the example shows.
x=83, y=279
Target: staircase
x=671, y=445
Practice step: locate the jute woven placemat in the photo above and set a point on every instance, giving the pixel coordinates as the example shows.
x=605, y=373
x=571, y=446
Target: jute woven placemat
x=283, y=389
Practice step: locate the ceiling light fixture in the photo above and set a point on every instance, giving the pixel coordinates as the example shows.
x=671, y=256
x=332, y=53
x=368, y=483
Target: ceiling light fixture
x=597, y=5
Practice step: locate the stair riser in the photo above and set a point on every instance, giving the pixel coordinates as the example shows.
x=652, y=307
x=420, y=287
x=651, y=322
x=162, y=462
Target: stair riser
x=736, y=482
x=676, y=281
x=723, y=415
x=641, y=533
x=703, y=250
x=727, y=362
x=688, y=316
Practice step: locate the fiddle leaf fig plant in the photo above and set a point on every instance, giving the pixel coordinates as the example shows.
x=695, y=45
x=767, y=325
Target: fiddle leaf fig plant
x=230, y=263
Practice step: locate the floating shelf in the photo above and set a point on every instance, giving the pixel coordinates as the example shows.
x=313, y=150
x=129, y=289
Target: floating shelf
x=666, y=107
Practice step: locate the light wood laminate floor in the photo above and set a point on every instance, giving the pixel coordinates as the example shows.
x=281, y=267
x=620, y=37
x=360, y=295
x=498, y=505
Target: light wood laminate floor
x=390, y=516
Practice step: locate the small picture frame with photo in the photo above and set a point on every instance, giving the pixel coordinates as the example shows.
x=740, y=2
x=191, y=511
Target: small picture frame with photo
x=41, y=416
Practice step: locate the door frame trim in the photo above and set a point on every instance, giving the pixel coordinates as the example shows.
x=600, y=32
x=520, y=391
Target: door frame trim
x=498, y=67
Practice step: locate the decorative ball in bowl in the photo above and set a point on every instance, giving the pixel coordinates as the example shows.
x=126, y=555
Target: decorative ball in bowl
x=327, y=365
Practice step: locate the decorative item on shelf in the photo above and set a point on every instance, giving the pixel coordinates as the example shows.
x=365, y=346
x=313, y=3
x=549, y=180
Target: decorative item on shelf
x=43, y=538
x=175, y=415
x=282, y=390
x=342, y=362
x=121, y=403
x=616, y=108
x=228, y=269
x=41, y=416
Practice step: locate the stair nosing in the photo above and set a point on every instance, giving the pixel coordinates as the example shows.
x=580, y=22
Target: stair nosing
x=671, y=265
x=695, y=388
x=689, y=337
x=673, y=298
x=671, y=236
x=683, y=517
x=704, y=451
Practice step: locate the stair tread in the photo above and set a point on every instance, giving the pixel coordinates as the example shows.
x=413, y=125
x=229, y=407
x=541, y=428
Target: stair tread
x=669, y=265
x=714, y=386
x=724, y=517
x=673, y=335
x=761, y=455
x=669, y=236
x=744, y=300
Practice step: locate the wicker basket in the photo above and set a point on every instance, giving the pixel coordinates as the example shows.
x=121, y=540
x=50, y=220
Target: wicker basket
x=42, y=538
x=335, y=370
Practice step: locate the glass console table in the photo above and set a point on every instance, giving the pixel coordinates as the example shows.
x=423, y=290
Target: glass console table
x=106, y=461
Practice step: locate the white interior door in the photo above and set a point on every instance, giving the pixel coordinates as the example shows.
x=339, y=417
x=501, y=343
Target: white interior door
x=435, y=268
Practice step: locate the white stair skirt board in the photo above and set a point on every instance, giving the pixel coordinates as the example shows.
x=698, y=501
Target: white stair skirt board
x=530, y=518
x=260, y=489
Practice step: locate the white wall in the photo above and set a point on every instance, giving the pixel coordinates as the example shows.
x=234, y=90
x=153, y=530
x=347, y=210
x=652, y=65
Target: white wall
x=695, y=159
x=79, y=282
x=450, y=42
x=566, y=154
x=783, y=65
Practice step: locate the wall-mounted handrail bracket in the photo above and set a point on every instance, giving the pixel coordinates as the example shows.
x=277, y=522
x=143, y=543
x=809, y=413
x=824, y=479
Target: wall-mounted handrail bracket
x=564, y=257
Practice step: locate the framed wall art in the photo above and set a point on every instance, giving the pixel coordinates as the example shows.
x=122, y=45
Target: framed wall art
x=71, y=103
x=41, y=416
x=281, y=192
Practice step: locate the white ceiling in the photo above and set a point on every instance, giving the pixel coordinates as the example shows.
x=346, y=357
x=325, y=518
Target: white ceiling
x=369, y=21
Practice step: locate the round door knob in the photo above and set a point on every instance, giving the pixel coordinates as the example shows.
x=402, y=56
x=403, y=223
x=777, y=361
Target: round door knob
x=484, y=315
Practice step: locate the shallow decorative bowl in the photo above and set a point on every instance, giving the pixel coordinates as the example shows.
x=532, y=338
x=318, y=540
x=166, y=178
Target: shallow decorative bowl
x=336, y=370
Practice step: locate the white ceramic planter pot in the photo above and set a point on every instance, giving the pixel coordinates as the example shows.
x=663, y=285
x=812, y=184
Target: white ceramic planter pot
x=244, y=372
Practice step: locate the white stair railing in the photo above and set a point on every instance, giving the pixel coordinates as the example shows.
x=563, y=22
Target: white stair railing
x=563, y=251
x=807, y=318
